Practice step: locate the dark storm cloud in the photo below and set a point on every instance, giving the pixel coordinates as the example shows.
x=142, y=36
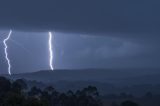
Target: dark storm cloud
x=89, y=16
x=130, y=28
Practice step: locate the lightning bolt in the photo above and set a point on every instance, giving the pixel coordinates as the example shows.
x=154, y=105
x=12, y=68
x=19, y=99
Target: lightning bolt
x=6, y=53
x=50, y=51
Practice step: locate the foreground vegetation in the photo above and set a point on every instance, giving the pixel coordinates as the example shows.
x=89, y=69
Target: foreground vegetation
x=16, y=93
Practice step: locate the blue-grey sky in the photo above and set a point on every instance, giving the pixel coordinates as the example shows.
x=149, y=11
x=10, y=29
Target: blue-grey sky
x=88, y=33
x=28, y=51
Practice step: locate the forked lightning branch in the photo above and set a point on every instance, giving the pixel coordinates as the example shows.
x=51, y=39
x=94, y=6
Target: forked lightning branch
x=6, y=51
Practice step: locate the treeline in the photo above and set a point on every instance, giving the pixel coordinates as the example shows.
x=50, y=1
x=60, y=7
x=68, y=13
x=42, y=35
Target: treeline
x=16, y=93
x=148, y=99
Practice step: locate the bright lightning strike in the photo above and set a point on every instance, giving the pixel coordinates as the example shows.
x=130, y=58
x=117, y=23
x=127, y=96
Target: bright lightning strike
x=6, y=53
x=50, y=51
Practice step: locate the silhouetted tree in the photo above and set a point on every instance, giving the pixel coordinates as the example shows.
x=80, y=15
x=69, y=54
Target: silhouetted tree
x=36, y=92
x=123, y=95
x=63, y=99
x=129, y=103
x=47, y=95
x=114, y=104
x=91, y=91
x=14, y=99
x=31, y=101
x=16, y=94
x=148, y=95
x=72, y=98
x=5, y=85
x=55, y=98
x=19, y=85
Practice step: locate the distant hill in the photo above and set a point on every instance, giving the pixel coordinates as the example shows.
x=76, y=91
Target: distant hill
x=135, y=81
x=121, y=76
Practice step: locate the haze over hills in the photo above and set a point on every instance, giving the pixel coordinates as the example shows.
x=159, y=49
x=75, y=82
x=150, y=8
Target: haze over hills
x=119, y=76
x=135, y=81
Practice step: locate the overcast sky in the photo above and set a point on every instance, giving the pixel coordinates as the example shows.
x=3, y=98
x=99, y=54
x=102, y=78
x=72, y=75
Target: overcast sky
x=88, y=34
